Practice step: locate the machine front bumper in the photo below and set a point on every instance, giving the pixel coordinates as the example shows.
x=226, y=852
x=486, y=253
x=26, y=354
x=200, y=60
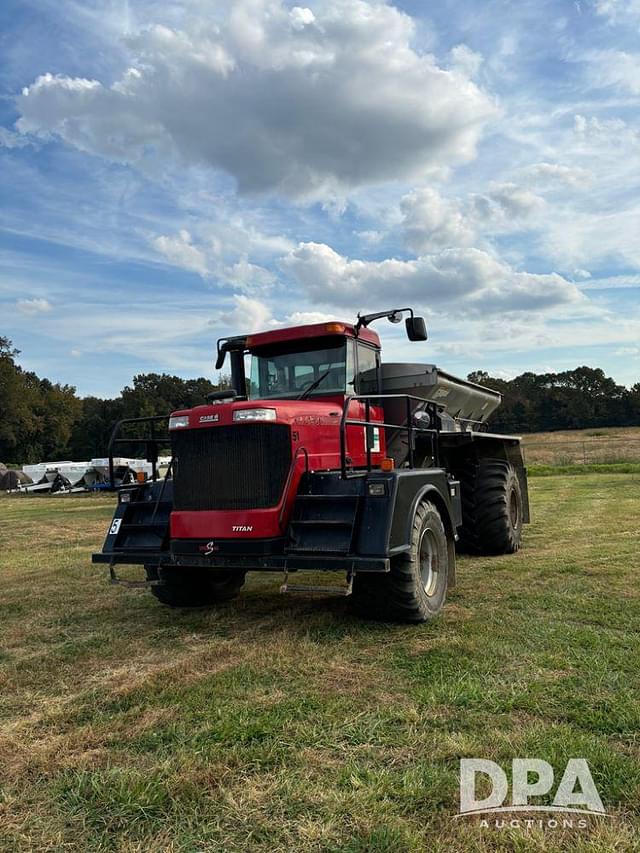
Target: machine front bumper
x=266, y=562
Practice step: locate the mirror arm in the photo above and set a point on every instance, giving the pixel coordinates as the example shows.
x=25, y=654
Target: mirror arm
x=366, y=319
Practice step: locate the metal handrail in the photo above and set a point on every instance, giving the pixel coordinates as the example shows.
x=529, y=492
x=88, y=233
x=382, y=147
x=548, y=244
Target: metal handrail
x=150, y=440
x=289, y=480
x=369, y=424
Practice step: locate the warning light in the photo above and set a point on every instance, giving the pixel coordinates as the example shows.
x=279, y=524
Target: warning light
x=387, y=464
x=335, y=328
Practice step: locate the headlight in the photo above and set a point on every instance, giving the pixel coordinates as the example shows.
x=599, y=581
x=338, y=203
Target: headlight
x=179, y=422
x=254, y=415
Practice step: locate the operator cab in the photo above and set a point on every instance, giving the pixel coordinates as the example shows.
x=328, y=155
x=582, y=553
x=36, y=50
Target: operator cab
x=321, y=360
x=312, y=367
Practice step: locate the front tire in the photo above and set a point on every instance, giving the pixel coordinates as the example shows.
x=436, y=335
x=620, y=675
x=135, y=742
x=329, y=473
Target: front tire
x=416, y=587
x=190, y=586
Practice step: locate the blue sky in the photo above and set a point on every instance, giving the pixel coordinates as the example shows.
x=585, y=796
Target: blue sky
x=172, y=172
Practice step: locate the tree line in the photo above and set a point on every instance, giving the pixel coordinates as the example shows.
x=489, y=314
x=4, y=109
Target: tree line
x=43, y=420
x=573, y=399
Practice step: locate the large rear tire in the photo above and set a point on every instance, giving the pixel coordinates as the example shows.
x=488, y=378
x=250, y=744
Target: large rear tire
x=416, y=587
x=492, y=509
x=190, y=586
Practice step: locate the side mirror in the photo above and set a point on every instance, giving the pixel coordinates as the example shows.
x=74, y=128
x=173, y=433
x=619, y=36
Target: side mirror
x=416, y=328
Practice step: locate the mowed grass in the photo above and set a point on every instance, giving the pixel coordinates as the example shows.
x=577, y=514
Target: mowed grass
x=282, y=723
x=563, y=435
x=594, y=446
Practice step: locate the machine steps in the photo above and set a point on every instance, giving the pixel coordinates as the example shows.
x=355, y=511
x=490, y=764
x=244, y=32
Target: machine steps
x=322, y=524
x=144, y=527
x=313, y=588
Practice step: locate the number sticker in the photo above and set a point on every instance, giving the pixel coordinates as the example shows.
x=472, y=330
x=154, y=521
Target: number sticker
x=115, y=527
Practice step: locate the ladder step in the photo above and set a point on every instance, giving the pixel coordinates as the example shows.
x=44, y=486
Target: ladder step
x=326, y=590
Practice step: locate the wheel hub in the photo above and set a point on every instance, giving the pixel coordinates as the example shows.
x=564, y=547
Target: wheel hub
x=429, y=565
x=514, y=511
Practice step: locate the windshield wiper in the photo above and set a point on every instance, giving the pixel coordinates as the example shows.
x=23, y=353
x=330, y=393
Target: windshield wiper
x=313, y=385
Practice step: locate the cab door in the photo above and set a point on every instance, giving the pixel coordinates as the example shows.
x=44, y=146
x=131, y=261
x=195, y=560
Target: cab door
x=363, y=377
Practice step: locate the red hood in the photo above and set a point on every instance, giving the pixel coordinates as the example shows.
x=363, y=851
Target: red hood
x=287, y=411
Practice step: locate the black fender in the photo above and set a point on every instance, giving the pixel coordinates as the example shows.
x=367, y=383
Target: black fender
x=430, y=484
x=385, y=521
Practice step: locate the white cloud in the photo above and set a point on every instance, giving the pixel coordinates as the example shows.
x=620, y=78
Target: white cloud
x=460, y=281
x=302, y=318
x=615, y=68
x=592, y=236
x=618, y=11
x=615, y=282
x=281, y=99
x=431, y=222
x=32, y=307
x=515, y=201
x=581, y=274
x=370, y=237
x=465, y=60
x=248, y=315
x=9, y=139
x=247, y=276
x=301, y=17
x=585, y=172
x=216, y=254
x=180, y=252
x=551, y=173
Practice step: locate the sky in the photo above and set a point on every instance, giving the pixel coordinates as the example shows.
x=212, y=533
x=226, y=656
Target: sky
x=176, y=171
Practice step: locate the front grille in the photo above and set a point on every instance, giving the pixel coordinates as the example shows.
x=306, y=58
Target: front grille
x=244, y=466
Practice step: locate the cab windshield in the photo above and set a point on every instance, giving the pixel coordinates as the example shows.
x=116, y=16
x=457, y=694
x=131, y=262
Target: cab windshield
x=288, y=370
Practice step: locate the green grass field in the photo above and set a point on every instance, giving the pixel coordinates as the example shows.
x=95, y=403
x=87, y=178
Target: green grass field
x=285, y=724
x=583, y=447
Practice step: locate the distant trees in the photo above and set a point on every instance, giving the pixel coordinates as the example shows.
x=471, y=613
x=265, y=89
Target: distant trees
x=159, y=393
x=44, y=420
x=93, y=428
x=572, y=399
x=36, y=416
x=40, y=419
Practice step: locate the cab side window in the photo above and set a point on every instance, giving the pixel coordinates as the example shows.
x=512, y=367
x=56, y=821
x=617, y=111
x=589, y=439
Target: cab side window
x=351, y=367
x=367, y=379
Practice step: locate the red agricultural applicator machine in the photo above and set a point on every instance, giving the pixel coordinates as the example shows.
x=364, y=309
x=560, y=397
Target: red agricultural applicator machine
x=323, y=458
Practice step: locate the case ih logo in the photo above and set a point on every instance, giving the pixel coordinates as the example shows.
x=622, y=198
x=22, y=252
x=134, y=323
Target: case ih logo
x=576, y=794
x=209, y=419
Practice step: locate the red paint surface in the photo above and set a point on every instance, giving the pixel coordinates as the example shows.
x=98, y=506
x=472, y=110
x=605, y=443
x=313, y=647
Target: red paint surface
x=314, y=425
x=315, y=330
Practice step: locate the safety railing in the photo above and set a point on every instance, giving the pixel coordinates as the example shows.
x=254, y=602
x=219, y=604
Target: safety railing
x=152, y=442
x=409, y=427
x=301, y=451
